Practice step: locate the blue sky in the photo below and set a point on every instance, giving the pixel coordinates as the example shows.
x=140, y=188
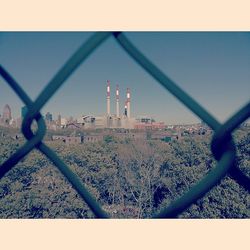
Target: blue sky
x=213, y=67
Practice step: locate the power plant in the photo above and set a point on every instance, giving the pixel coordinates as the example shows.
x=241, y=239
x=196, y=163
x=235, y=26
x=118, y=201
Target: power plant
x=109, y=120
x=119, y=119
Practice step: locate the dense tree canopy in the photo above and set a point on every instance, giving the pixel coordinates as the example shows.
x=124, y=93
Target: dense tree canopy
x=130, y=178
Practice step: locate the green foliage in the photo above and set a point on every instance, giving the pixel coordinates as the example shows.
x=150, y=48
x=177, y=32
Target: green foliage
x=108, y=138
x=129, y=178
x=166, y=139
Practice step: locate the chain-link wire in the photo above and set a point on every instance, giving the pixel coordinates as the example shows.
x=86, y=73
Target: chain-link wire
x=222, y=145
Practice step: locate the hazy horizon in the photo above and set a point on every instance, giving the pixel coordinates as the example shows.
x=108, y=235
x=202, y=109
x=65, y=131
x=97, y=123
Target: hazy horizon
x=213, y=67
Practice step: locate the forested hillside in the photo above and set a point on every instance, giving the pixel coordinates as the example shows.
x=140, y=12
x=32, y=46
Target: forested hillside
x=131, y=179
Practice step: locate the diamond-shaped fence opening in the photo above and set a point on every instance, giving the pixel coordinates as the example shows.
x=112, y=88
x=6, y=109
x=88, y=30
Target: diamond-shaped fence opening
x=222, y=145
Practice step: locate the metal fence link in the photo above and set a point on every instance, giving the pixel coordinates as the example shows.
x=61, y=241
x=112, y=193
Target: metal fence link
x=35, y=141
x=223, y=135
x=222, y=145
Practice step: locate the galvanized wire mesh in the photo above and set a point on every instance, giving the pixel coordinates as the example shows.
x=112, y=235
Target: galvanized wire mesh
x=222, y=145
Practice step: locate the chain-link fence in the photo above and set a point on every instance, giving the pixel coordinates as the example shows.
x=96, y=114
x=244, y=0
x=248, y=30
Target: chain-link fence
x=222, y=146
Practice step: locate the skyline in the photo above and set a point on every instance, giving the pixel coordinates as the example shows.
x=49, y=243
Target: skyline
x=205, y=64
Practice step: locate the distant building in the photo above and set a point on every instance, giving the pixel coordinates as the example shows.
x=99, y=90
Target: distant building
x=130, y=135
x=144, y=119
x=145, y=122
x=78, y=139
x=59, y=120
x=68, y=139
x=6, y=118
x=72, y=125
x=63, y=122
x=100, y=121
x=92, y=138
x=86, y=121
x=48, y=117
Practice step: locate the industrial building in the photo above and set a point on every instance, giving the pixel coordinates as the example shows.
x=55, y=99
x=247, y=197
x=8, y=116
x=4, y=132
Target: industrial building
x=117, y=120
x=6, y=118
x=120, y=119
